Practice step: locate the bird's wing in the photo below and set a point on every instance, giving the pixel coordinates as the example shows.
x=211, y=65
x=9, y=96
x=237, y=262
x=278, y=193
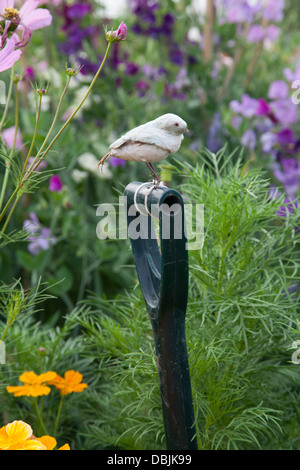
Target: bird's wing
x=144, y=134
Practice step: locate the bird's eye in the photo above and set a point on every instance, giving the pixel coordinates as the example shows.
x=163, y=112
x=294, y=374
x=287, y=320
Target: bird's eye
x=176, y=124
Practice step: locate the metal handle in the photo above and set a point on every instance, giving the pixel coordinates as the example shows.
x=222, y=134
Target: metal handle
x=163, y=277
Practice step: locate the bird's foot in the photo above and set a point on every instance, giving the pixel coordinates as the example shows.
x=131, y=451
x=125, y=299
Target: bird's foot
x=103, y=160
x=156, y=182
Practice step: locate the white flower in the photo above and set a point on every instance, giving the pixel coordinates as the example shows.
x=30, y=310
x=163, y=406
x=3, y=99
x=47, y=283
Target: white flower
x=89, y=162
x=79, y=175
x=194, y=34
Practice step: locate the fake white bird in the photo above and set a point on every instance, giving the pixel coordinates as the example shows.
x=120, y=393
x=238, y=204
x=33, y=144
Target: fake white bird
x=150, y=142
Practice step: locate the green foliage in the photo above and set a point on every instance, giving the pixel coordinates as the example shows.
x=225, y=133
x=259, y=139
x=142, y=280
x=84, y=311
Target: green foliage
x=241, y=323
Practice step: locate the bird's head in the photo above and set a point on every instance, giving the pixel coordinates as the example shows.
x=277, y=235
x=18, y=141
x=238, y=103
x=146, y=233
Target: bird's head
x=172, y=124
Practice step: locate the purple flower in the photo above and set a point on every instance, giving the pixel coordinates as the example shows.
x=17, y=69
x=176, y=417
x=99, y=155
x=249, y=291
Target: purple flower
x=290, y=75
x=78, y=10
x=144, y=9
x=285, y=137
x=167, y=24
x=256, y=33
x=278, y=90
x=272, y=33
x=114, y=161
x=175, y=55
x=142, y=86
x=154, y=73
x=8, y=55
x=289, y=144
x=290, y=204
x=43, y=164
x=214, y=140
x=55, y=184
x=246, y=108
x=8, y=136
x=29, y=73
x=131, y=68
x=285, y=111
x=40, y=237
x=288, y=173
x=32, y=224
x=273, y=10
x=268, y=140
x=236, y=121
x=249, y=139
x=238, y=12
x=88, y=67
x=263, y=109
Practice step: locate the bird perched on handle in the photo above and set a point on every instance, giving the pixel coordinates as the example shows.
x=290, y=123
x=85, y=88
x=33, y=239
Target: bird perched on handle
x=150, y=142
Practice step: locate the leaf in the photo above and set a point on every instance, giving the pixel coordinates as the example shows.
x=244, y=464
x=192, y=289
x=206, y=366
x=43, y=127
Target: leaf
x=61, y=282
x=33, y=262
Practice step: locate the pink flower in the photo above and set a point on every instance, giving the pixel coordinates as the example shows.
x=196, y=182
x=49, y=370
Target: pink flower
x=27, y=19
x=257, y=33
x=273, y=10
x=8, y=136
x=8, y=55
x=55, y=184
x=278, y=90
x=43, y=164
x=118, y=35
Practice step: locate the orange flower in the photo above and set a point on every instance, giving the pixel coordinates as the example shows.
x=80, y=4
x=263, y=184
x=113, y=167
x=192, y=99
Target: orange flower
x=17, y=436
x=34, y=385
x=49, y=442
x=71, y=382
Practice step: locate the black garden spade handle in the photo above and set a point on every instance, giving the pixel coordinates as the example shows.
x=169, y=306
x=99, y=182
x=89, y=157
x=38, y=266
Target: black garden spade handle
x=163, y=276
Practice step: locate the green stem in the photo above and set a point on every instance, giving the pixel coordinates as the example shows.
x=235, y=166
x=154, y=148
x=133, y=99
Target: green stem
x=4, y=332
x=35, y=163
x=58, y=415
x=77, y=109
x=25, y=164
x=10, y=214
x=41, y=421
x=8, y=163
x=38, y=114
x=8, y=97
x=53, y=122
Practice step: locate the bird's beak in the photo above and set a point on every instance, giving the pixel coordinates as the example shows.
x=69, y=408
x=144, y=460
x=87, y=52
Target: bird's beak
x=186, y=130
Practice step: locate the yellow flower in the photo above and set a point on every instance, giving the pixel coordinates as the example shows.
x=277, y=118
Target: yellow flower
x=34, y=385
x=49, y=442
x=17, y=436
x=71, y=382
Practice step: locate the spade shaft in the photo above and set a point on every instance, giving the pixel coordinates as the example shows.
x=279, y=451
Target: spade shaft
x=163, y=277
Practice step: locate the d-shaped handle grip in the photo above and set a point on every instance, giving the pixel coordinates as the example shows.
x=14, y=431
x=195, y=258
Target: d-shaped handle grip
x=163, y=277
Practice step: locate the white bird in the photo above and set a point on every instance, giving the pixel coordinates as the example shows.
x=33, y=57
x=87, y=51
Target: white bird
x=150, y=142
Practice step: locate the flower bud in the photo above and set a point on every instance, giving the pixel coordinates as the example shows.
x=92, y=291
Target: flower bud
x=118, y=35
x=41, y=91
x=73, y=71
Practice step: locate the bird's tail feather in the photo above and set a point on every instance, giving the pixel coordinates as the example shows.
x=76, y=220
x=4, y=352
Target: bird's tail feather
x=103, y=160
